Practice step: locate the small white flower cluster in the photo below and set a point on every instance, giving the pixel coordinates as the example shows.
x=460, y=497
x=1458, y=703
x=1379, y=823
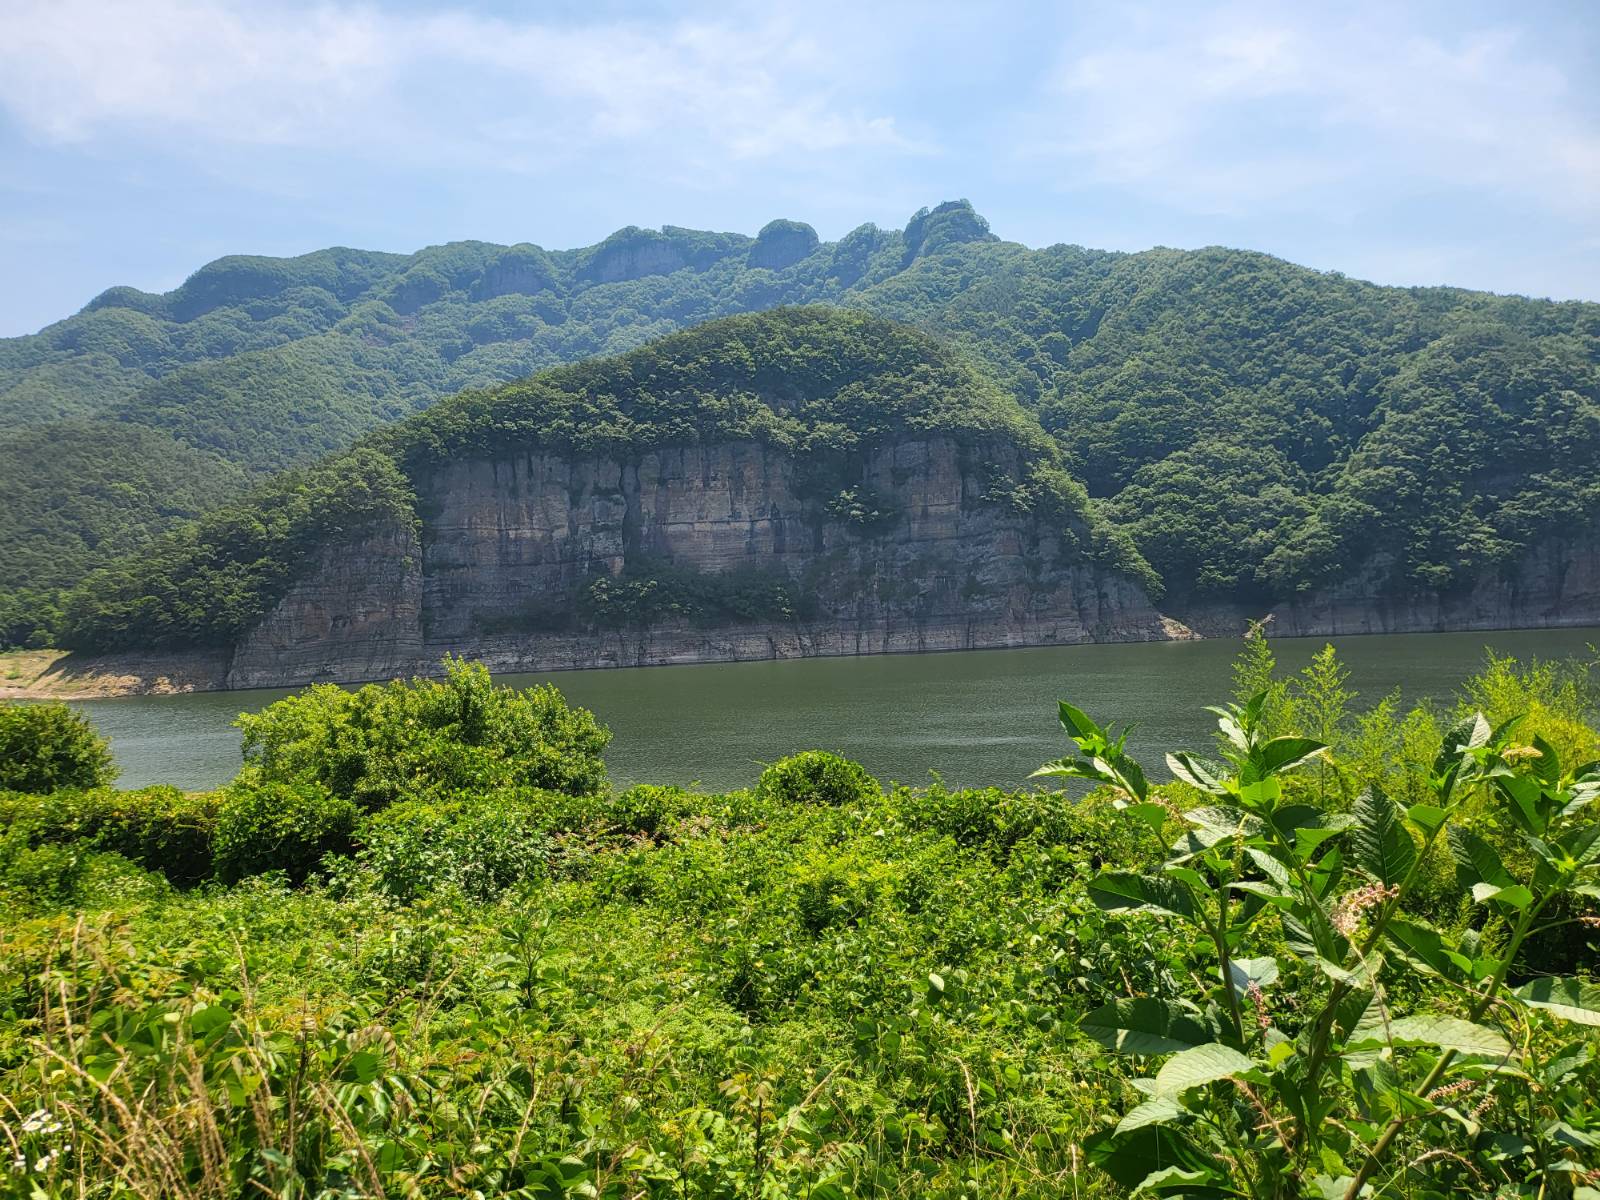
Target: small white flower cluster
x=1347, y=912
x=19, y=1164
x=40, y=1123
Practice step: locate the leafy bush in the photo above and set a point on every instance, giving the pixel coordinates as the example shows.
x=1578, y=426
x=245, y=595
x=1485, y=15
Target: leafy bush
x=426, y=738
x=39, y=877
x=816, y=777
x=265, y=826
x=645, y=808
x=479, y=847
x=159, y=827
x=46, y=747
x=1000, y=821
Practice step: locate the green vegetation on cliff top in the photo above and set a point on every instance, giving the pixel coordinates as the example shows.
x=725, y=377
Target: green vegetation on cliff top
x=1257, y=427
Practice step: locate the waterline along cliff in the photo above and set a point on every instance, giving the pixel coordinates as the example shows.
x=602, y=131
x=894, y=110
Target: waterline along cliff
x=801, y=482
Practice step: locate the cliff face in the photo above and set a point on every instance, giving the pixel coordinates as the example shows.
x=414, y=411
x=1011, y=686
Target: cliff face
x=355, y=615
x=1556, y=584
x=508, y=540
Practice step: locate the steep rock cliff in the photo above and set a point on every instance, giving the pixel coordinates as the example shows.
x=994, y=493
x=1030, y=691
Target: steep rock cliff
x=944, y=566
x=1557, y=583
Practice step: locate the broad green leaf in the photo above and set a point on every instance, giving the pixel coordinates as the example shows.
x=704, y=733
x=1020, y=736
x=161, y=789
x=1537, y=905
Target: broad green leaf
x=1476, y=860
x=1379, y=840
x=209, y=1019
x=1228, y=723
x=1574, y=999
x=1424, y=949
x=1515, y=896
x=1220, y=821
x=1308, y=827
x=1284, y=754
x=1524, y=794
x=1447, y=1032
x=1548, y=765
x=1193, y=771
x=1123, y=891
x=1270, y=867
x=1152, y=1112
x=1146, y=1025
x=1128, y=1158
x=1263, y=793
x=1581, y=845
x=1172, y=1177
x=1075, y=768
x=1426, y=817
x=1077, y=722
x=1201, y=1065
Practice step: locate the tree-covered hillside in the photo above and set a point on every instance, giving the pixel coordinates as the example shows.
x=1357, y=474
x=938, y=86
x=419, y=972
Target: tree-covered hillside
x=1258, y=427
x=823, y=385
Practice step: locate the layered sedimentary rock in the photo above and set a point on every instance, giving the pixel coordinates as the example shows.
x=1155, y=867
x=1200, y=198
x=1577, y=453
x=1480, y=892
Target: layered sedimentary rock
x=939, y=563
x=1555, y=584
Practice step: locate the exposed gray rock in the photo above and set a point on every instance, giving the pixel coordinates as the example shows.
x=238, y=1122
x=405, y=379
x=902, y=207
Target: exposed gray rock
x=946, y=570
x=781, y=244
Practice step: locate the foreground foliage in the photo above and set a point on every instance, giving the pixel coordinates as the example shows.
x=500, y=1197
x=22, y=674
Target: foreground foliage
x=1355, y=963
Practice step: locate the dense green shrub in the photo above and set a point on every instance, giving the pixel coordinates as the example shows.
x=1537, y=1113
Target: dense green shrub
x=816, y=777
x=45, y=747
x=39, y=876
x=159, y=827
x=426, y=738
x=1000, y=820
x=645, y=808
x=268, y=826
x=478, y=846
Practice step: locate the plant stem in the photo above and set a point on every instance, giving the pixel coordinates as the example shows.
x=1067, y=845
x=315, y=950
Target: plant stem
x=1392, y=1130
x=1225, y=962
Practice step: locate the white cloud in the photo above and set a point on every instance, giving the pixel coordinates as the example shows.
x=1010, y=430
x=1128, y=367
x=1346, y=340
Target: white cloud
x=448, y=85
x=1264, y=103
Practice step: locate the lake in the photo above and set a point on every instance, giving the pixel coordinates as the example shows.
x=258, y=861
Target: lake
x=977, y=717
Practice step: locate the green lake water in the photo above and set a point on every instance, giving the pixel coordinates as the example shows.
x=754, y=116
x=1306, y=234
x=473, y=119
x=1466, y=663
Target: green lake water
x=979, y=717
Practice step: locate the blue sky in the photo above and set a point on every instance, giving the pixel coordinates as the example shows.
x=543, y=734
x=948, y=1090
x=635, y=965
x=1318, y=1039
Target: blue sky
x=1402, y=142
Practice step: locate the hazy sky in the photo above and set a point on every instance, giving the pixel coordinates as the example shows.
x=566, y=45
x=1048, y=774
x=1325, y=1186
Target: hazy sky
x=1402, y=142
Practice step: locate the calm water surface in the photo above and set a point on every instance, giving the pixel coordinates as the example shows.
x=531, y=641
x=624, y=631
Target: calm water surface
x=980, y=717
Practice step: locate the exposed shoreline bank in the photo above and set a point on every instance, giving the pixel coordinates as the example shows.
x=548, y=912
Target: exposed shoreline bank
x=62, y=675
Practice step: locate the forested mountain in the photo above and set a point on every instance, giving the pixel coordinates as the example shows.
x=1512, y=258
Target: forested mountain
x=1259, y=428
x=824, y=391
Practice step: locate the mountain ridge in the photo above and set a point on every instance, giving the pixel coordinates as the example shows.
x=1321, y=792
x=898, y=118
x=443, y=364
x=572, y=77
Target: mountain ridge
x=1214, y=398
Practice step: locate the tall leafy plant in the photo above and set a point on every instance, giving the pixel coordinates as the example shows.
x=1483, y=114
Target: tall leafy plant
x=1343, y=1095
